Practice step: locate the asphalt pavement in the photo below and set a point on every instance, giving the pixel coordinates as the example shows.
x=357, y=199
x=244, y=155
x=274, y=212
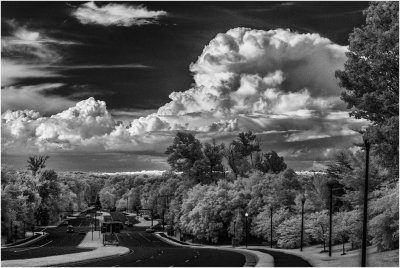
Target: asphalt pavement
x=146, y=249
x=56, y=243
x=285, y=260
x=149, y=251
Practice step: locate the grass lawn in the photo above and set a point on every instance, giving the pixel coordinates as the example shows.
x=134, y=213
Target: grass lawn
x=351, y=259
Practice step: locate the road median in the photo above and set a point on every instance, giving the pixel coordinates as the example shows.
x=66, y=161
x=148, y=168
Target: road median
x=99, y=252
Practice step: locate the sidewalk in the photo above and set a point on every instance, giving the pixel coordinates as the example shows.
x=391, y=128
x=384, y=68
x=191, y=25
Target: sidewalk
x=99, y=252
x=352, y=258
x=253, y=258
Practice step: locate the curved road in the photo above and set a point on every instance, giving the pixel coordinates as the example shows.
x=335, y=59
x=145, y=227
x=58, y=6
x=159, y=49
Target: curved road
x=146, y=249
x=285, y=260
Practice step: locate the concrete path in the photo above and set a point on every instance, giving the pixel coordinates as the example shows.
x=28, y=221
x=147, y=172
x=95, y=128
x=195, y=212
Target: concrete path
x=99, y=252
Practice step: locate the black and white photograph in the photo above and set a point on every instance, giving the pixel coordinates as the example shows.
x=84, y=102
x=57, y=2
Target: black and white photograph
x=200, y=133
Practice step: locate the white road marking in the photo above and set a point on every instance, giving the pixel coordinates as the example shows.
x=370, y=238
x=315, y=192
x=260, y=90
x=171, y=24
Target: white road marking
x=34, y=247
x=138, y=260
x=187, y=261
x=145, y=237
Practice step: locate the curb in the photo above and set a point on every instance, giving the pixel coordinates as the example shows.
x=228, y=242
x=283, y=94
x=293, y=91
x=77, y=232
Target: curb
x=307, y=259
x=90, y=260
x=251, y=258
x=28, y=242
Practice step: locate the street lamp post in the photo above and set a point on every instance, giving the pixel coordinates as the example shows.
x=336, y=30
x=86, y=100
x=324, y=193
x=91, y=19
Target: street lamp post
x=330, y=184
x=127, y=204
x=365, y=216
x=303, y=200
x=270, y=209
x=246, y=215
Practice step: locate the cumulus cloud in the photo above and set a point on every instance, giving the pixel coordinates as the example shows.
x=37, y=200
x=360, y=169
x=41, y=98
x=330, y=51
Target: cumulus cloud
x=258, y=77
x=117, y=14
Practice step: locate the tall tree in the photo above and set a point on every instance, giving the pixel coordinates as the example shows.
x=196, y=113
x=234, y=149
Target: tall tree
x=272, y=163
x=35, y=163
x=247, y=143
x=184, y=152
x=371, y=78
x=213, y=155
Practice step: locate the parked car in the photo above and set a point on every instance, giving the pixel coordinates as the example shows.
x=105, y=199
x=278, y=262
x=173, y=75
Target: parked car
x=146, y=218
x=64, y=223
x=70, y=229
x=82, y=232
x=150, y=230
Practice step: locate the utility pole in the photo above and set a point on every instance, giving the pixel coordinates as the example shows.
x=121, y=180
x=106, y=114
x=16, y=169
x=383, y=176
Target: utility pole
x=303, y=200
x=365, y=216
x=330, y=184
x=245, y=216
x=270, y=208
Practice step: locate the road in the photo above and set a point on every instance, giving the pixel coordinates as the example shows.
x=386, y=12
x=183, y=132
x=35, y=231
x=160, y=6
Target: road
x=146, y=249
x=56, y=243
x=285, y=260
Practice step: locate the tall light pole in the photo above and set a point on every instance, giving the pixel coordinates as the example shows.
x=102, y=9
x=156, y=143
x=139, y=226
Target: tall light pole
x=365, y=216
x=270, y=210
x=245, y=216
x=127, y=203
x=303, y=200
x=330, y=184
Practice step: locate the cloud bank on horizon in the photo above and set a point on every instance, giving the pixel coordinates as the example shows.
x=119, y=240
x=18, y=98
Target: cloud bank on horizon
x=274, y=81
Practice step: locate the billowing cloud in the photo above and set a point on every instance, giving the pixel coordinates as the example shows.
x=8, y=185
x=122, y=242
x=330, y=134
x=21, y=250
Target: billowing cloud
x=116, y=14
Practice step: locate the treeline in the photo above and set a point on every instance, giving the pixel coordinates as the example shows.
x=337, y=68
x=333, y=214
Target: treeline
x=213, y=187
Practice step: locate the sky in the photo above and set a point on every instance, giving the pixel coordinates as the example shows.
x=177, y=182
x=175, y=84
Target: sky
x=105, y=86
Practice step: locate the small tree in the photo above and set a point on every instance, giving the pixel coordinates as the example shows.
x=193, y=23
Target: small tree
x=35, y=163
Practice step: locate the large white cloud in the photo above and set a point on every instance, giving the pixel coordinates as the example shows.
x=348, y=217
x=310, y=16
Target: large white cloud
x=116, y=14
x=259, y=76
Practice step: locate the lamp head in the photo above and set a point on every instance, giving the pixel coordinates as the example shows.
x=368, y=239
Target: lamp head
x=303, y=199
x=331, y=182
x=246, y=214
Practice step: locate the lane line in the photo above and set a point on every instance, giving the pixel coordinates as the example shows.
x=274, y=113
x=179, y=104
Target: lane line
x=145, y=237
x=34, y=247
